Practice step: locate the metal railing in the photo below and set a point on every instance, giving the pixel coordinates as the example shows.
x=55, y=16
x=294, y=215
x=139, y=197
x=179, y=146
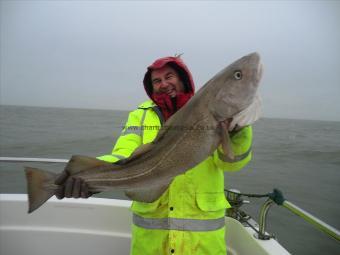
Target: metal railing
x=235, y=199
x=278, y=198
x=43, y=160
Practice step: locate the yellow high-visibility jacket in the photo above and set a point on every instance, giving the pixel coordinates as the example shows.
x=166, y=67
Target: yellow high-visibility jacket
x=188, y=218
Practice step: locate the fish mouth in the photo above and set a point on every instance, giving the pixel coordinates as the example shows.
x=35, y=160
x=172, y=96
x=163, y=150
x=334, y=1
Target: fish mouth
x=259, y=72
x=256, y=60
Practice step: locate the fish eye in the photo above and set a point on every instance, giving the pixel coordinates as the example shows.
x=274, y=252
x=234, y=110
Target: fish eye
x=238, y=75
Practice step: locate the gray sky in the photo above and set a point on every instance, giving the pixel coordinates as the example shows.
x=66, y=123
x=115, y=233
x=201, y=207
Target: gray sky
x=93, y=54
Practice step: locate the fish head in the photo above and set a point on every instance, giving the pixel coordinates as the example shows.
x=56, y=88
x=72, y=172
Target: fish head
x=235, y=87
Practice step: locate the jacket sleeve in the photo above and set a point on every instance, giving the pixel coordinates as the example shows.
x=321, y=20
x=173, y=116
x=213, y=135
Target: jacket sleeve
x=129, y=140
x=241, y=143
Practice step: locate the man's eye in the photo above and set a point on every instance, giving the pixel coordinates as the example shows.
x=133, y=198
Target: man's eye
x=170, y=76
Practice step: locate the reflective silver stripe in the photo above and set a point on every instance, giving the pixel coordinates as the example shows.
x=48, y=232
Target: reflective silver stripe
x=178, y=224
x=237, y=158
x=141, y=124
x=137, y=130
x=133, y=130
x=118, y=156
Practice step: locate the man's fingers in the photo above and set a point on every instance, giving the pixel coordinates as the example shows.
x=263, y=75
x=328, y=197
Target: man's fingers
x=84, y=190
x=60, y=192
x=224, y=125
x=69, y=187
x=76, y=187
x=61, y=178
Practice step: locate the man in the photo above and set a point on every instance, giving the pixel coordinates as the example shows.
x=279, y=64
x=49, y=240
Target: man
x=189, y=217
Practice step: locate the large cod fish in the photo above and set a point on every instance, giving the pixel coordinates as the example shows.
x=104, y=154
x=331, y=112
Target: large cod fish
x=185, y=140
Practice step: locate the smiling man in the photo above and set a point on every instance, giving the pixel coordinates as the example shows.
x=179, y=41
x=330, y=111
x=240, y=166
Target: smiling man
x=169, y=84
x=166, y=81
x=188, y=218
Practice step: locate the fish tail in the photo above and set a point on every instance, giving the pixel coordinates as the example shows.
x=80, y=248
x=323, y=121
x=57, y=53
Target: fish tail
x=37, y=181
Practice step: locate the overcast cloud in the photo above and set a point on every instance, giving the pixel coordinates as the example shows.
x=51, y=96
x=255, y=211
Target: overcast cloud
x=93, y=54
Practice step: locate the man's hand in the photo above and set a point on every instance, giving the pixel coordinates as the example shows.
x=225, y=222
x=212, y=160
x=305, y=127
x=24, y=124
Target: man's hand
x=225, y=124
x=74, y=187
x=248, y=116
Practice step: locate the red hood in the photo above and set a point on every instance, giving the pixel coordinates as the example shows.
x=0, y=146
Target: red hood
x=178, y=65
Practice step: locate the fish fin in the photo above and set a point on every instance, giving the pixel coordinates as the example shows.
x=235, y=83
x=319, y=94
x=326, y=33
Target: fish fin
x=147, y=195
x=142, y=149
x=226, y=142
x=36, y=181
x=79, y=164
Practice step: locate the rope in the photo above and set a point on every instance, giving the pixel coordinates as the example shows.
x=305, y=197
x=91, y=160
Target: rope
x=276, y=195
x=249, y=195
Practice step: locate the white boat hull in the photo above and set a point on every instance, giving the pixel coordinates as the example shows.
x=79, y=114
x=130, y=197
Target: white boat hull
x=93, y=226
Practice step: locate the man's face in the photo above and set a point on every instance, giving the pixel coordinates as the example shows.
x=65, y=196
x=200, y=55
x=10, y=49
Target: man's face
x=166, y=80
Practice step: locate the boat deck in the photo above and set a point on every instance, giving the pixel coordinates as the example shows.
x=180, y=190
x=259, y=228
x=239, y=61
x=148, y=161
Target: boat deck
x=92, y=226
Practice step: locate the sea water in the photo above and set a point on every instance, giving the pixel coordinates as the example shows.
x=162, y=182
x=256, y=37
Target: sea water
x=300, y=157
